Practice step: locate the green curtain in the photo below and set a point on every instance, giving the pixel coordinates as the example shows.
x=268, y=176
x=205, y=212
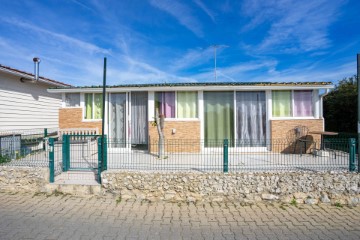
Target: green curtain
x=187, y=104
x=219, y=118
x=88, y=105
x=281, y=103
x=98, y=105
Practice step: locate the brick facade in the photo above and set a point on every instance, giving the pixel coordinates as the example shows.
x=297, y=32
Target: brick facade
x=185, y=139
x=73, y=118
x=280, y=128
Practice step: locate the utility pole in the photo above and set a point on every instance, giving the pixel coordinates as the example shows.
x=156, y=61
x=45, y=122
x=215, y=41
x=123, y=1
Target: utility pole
x=216, y=47
x=358, y=106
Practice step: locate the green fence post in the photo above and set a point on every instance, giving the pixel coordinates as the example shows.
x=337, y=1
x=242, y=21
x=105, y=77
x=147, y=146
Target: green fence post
x=65, y=152
x=352, y=154
x=51, y=160
x=45, y=136
x=226, y=155
x=99, y=159
x=104, y=167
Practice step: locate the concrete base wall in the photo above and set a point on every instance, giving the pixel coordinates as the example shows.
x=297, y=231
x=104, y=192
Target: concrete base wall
x=302, y=187
x=23, y=179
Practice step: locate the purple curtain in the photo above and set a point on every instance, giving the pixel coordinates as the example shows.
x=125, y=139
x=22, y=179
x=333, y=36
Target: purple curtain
x=166, y=101
x=303, y=103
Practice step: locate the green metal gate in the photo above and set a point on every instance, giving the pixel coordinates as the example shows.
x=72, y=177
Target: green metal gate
x=83, y=153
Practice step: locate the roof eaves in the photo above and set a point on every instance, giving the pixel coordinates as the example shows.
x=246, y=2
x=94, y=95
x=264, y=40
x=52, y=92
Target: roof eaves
x=43, y=79
x=204, y=84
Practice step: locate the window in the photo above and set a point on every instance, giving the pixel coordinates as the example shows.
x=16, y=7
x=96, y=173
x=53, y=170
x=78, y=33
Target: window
x=72, y=99
x=292, y=103
x=281, y=103
x=165, y=104
x=186, y=104
x=93, y=105
x=184, y=107
x=303, y=103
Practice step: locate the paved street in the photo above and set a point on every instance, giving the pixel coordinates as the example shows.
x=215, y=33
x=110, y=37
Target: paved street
x=28, y=216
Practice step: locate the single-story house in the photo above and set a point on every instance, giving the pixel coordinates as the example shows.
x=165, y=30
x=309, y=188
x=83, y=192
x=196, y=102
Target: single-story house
x=27, y=105
x=247, y=114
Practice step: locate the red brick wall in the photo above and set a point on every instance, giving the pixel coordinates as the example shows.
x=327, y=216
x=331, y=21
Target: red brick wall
x=186, y=138
x=280, y=128
x=72, y=118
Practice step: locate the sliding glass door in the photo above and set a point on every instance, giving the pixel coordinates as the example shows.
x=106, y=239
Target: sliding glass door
x=219, y=118
x=139, y=120
x=251, y=118
x=117, y=120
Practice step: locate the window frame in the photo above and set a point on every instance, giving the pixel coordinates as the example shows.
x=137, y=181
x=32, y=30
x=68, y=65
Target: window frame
x=92, y=108
x=176, y=118
x=64, y=101
x=293, y=105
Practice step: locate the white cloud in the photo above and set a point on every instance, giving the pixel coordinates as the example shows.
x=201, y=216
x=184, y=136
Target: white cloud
x=193, y=57
x=294, y=26
x=60, y=37
x=203, y=7
x=181, y=13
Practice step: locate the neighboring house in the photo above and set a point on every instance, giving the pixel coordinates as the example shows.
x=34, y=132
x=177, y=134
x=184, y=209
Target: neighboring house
x=248, y=114
x=25, y=105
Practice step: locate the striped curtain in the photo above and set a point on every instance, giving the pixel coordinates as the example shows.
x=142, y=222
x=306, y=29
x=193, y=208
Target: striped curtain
x=165, y=104
x=219, y=118
x=98, y=105
x=251, y=118
x=281, y=103
x=187, y=104
x=88, y=105
x=139, y=121
x=303, y=103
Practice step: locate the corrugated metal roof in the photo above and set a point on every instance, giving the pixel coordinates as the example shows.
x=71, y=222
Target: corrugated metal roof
x=205, y=84
x=32, y=75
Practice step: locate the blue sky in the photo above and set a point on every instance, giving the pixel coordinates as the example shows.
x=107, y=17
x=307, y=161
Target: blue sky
x=157, y=41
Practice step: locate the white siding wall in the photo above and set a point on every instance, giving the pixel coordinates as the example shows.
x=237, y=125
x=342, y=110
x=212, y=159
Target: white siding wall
x=26, y=106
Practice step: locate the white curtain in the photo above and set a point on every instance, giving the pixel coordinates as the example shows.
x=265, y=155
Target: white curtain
x=251, y=118
x=139, y=123
x=118, y=119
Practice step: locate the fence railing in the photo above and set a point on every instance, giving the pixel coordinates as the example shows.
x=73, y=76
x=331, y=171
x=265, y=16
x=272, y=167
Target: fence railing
x=25, y=147
x=182, y=155
x=229, y=156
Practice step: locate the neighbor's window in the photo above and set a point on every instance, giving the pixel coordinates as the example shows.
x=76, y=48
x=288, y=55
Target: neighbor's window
x=72, y=99
x=93, y=105
x=186, y=104
x=165, y=104
x=281, y=103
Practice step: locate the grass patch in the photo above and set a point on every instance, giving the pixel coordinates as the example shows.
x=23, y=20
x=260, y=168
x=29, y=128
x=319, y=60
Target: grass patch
x=293, y=202
x=118, y=200
x=338, y=205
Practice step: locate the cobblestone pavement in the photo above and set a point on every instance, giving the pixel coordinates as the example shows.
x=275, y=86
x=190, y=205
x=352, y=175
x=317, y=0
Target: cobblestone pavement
x=25, y=216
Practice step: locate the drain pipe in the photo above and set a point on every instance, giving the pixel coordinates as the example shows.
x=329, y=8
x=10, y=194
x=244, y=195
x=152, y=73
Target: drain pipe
x=321, y=102
x=36, y=61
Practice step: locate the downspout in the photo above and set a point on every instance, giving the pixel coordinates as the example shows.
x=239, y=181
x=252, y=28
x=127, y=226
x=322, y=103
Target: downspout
x=322, y=107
